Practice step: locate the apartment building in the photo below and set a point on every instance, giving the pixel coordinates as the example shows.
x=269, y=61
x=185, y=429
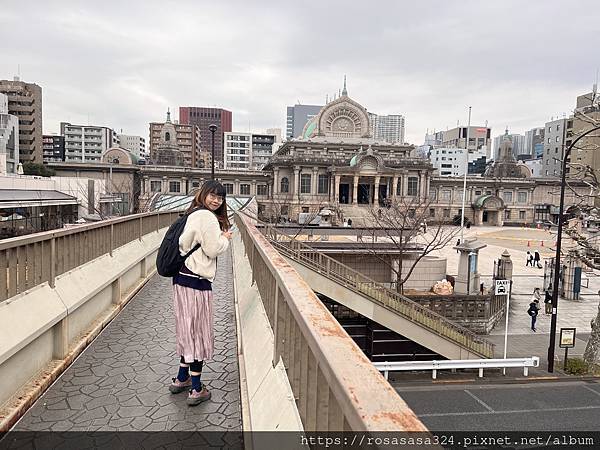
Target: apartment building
x=86, y=143
x=25, y=102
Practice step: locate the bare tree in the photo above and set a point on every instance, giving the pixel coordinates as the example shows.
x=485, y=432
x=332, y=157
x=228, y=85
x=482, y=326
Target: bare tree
x=585, y=209
x=404, y=223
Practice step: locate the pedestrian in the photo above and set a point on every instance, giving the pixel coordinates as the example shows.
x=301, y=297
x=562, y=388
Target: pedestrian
x=481, y=288
x=534, y=308
x=529, y=259
x=536, y=259
x=349, y=222
x=208, y=227
x=548, y=300
x=457, y=244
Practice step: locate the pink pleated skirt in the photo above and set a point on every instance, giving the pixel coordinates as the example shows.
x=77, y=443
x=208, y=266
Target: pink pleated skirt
x=194, y=323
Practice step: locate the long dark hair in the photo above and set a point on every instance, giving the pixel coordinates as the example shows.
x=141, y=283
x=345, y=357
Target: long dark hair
x=200, y=200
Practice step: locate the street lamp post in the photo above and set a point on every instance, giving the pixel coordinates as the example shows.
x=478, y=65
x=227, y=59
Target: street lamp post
x=212, y=127
x=558, y=245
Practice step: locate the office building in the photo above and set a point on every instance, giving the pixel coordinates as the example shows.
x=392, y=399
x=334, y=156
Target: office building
x=25, y=102
x=387, y=128
x=534, y=143
x=54, y=148
x=86, y=143
x=587, y=151
x=297, y=117
x=135, y=144
x=262, y=149
x=203, y=117
x=555, y=133
x=450, y=161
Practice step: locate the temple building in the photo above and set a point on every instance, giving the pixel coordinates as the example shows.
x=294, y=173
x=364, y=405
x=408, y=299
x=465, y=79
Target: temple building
x=338, y=162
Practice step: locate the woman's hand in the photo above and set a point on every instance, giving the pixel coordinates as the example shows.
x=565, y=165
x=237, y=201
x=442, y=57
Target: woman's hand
x=227, y=234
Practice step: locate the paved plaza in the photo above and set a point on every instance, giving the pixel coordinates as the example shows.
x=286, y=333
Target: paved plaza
x=120, y=382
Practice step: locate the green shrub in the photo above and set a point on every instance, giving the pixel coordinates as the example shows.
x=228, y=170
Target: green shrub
x=576, y=366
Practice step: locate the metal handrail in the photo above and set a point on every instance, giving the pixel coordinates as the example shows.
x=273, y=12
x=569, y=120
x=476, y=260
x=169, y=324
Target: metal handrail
x=394, y=301
x=28, y=261
x=335, y=386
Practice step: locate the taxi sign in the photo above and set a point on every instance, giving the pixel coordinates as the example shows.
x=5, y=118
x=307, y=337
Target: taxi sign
x=502, y=287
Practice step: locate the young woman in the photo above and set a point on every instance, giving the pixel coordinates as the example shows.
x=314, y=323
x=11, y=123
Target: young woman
x=208, y=226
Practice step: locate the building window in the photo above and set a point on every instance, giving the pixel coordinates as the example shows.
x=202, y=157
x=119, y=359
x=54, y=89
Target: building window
x=446, y=195
x=284, y=210
x=305, y=209
x=507, y=214
x=411, y=213
x=323, y=184
x=431, y=212
x=477, y=192
x=244, y=189
x=433, y=195
x=522, y=197
x=305, y=179
x=285, y=185
x=167, y=136
x=507, y=196
x=174, y=186
x=399, y=188
x=228, y=188
x=261, y=189
x=446, y=212
x=522, y=215
x=155, y=186
x=413, y=186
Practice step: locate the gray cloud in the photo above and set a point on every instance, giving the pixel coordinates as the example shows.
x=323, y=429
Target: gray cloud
x=123, y=63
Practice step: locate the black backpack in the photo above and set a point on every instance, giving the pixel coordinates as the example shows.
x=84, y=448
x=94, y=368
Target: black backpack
x=168, y=260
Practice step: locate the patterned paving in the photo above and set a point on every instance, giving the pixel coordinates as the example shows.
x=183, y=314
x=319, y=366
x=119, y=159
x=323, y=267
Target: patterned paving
x=120, y=382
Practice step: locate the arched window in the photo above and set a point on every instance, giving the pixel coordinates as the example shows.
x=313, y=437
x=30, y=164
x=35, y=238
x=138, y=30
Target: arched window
x=167, y=136
x=285, y=185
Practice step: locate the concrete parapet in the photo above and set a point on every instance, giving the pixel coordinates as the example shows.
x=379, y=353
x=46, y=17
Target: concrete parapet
x=267, y=398
x=43, y=329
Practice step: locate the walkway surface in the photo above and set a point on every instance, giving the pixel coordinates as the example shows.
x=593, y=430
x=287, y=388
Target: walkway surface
x=120, y=382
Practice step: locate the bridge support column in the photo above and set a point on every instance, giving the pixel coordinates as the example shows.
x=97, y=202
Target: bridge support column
x=355, y=190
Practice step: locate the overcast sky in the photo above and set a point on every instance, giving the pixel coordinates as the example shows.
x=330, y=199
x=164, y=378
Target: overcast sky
x=122, y=64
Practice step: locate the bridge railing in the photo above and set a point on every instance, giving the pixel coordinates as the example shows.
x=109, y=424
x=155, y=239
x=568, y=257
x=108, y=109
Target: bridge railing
x=335, y=386
x=28, y=261
x=362, y=284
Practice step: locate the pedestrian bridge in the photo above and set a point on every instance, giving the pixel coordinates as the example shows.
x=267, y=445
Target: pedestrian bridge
x=87, y=340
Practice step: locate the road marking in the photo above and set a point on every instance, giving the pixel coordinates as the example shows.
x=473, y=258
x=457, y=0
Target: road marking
x=592, y=390
x=478, y=400
x=488, y=413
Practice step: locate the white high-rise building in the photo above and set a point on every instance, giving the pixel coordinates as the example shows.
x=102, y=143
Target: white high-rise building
x=86, y=143
x=135, y=144
x=450, y=161
x=388, y=128
x=9, y=138
x=247, y=150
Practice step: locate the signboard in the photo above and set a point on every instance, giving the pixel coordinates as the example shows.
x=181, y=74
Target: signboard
x=473, y=263
x=502, y=287
x=567, y=338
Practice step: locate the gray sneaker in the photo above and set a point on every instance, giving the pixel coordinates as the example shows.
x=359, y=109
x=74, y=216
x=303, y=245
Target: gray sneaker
x=195, y=397
x=179, y=386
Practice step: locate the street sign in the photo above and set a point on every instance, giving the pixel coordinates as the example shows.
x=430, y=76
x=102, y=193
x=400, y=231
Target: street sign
x=502, y=287
x=567, y=338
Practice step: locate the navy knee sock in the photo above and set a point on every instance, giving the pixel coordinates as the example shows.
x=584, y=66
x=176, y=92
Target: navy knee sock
x=184, y=371
x=196, y=367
